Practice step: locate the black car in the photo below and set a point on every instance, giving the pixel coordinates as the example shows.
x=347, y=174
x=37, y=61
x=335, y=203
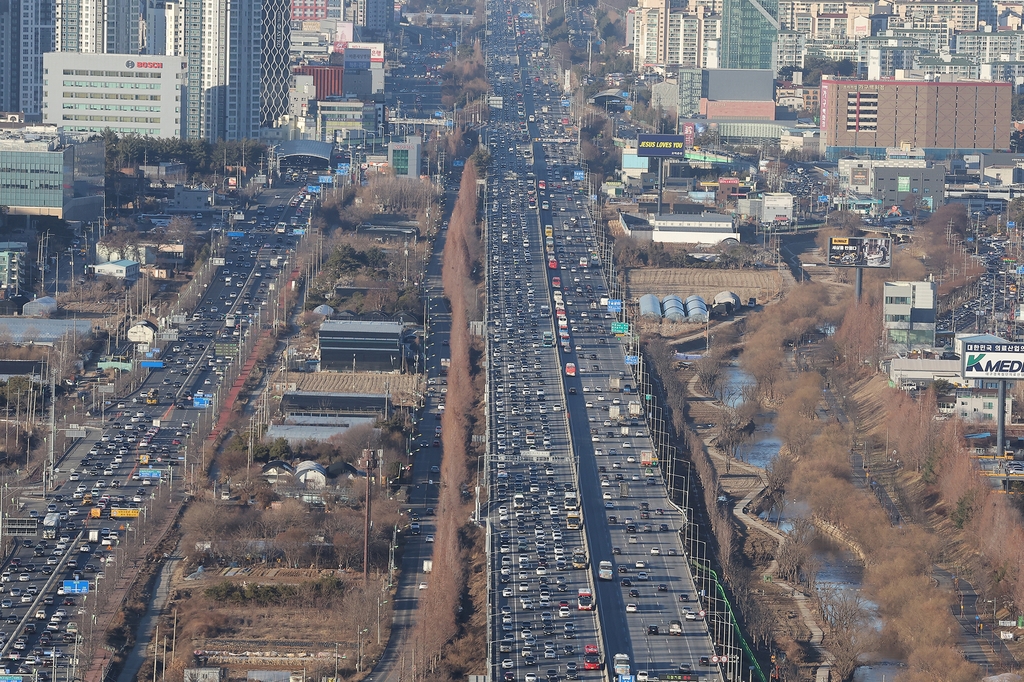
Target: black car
x=652, y=629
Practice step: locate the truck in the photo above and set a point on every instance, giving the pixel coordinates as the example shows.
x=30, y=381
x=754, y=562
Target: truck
x=428, y=565
x=574, y=520
x=634, y=409
x=275, y=261
x=51, y=524
x=543, y=110
x=445, y=364
x=571, y=500
x=613, y=412
x=94, y=536
x=229, y=321
x=621, y=664
x=153, y=397
x=623, y=489
x=604, y=570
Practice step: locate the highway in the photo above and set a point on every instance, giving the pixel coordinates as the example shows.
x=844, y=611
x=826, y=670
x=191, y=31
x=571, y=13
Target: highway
x=532, y=280
x=99, y=492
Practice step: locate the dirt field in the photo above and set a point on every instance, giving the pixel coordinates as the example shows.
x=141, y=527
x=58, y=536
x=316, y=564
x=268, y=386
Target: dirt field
x=403, y=387
x=760, y=284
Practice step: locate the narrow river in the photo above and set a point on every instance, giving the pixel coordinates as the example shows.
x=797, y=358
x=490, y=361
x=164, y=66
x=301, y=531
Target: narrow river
x=838, y=567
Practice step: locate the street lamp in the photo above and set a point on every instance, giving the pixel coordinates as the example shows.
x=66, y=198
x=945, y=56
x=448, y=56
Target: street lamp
x=359, y=647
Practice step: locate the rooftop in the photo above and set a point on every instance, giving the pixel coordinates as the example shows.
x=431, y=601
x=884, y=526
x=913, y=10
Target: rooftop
x=30, y=139
x=361, y=326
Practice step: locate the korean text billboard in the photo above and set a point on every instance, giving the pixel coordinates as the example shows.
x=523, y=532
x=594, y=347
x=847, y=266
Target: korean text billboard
x=993, y=360
x=860, y=252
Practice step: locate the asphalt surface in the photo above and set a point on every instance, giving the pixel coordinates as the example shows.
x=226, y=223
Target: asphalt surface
x=626, y=515
x=130, y=449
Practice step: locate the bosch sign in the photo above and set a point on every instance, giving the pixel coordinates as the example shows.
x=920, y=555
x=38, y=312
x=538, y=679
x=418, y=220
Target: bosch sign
x=144, y=65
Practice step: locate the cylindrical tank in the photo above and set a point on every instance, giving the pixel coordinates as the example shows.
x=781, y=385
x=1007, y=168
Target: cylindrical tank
x=650, y=306
x=673, y=309
x=696, y=309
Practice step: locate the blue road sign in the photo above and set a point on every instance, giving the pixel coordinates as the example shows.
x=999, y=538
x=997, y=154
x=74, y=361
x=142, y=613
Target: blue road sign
x=822, y=198
x=76, y=587
x=236, y=235
x=201, y=401
x=298, y=232
x=438, y=114
x=449, y=124
x=459, y=163
x=313, y=189
x=566, y=103
x=1020, y=269
x=326, y=179
x=628, y=107
x=152, y=364
x=1011, y=224
x=625, y=94
x=578, y=176
x=615, y=305
x=632, y=359
x=344, y=168
x=149, y=473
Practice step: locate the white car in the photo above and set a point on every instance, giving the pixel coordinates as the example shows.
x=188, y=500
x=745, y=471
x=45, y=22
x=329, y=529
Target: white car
x=429, y=538
x=423, y=586
x=632, y=608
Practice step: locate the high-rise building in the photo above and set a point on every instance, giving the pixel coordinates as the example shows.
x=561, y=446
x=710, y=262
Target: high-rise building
x=26, y=32
x=222, y=42
x=275, y=54
x=749, y=34
x=164, y=26
x=373, y=14
x=650, y=33
x=97, y=26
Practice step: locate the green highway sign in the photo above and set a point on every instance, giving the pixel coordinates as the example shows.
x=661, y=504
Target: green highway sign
x=620, y=327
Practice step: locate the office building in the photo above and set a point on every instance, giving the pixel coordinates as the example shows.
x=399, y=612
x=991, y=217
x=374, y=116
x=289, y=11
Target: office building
x=275, y=53
x=26, y=32
x=90, y=93
x=327, y=78
x=308, y=10
x=404, y=157
x=908, y=314
x=867, y=117
x=749, y=34
x=343, y=118
x=97, y=26
x=46, y=174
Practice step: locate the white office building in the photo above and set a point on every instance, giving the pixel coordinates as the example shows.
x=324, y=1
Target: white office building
x=909, y=311
x=133, y=94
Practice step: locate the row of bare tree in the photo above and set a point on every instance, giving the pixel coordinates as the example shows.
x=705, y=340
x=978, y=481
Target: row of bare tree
x=438, y=621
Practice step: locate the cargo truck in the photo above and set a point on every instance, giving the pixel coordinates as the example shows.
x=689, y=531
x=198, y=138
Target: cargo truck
x=445, y=364
x=621, y=664
x=428, y=565
x=94, y=536
x=635, y=409
x=623, y=490
x=51, y=524
x=613, y=412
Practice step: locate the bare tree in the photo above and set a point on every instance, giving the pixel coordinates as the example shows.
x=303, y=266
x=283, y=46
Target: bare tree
x=846, y=635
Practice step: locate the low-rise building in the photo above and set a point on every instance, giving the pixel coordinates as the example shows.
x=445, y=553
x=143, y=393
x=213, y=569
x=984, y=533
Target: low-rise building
x=697, y=228
x=404, y=157
x=355, y=345
x=47, y=173
x=143, y=332
x=128, y=270
x=14, y=269
x=909, y=312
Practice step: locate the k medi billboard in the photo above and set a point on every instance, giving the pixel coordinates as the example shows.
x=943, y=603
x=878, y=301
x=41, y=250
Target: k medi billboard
x=860, y=252
x=993, y=360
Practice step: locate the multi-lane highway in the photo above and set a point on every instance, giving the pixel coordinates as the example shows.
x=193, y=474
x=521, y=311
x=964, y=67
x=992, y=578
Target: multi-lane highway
x=564, y=419
x=99, y=492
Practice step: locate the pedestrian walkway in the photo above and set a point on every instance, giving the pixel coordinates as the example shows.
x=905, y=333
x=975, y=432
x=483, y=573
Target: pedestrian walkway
x=147, y=625
x=236, y=388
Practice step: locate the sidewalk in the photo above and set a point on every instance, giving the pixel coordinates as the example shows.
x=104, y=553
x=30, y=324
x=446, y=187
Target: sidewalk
x=103, y=656
x=236, y=388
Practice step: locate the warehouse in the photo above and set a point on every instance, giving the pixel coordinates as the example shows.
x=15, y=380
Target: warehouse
x=362, y=346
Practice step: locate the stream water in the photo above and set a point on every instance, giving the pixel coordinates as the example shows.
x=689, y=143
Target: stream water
x=838, y=567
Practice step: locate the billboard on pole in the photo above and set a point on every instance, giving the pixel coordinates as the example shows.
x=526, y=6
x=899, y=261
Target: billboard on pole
x=860, y=252
x=993, y=360
x=660, y=145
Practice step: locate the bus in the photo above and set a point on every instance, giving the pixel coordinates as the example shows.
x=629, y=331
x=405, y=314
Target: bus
x=549, y=231
x=280, y=228
x=553, y=264
x=570, y=369
x=584, y=262
x=549, y=339
x=571, y=500
x=579, y=559
x=573, y=520
x=531, y=179
x=556, y=282
x=153, y=397
x=229, y=321
x=585, y=599
x=622, y=666
x=549, y=242
x=604, y=570
x=542, y=184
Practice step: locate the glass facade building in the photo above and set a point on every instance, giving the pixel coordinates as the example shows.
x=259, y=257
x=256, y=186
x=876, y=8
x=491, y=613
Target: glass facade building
x=749, y=34
x=36, y=177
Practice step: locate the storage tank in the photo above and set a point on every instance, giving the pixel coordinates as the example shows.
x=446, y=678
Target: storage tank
x=696, y=309
x=673, y=309
x=725, y=304
x=650, y=306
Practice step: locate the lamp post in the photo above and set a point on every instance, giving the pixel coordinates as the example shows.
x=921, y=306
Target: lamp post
x=359, y=649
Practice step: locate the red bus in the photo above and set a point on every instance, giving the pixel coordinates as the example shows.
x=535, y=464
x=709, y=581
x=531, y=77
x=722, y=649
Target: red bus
x=553, y=264
x=556, y=282
x=570, y=369
x=542, y=184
